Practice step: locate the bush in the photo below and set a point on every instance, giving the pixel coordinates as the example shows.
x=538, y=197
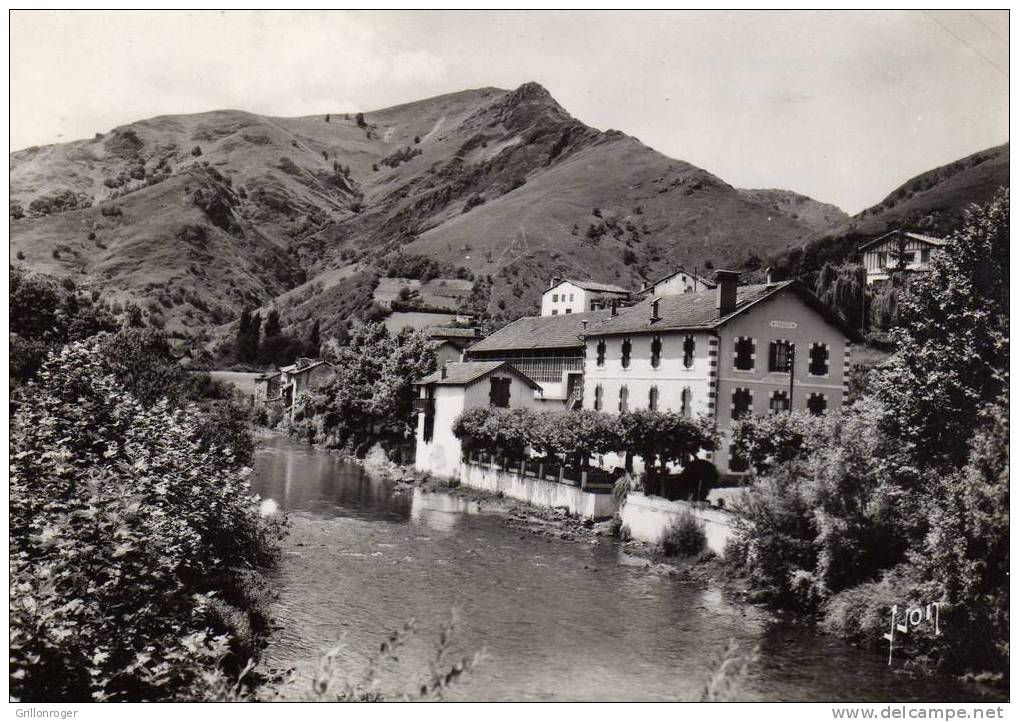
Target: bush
x=125, y=540
x=684, y=537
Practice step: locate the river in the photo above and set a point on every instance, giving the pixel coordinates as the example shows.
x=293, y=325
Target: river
x=558, y=620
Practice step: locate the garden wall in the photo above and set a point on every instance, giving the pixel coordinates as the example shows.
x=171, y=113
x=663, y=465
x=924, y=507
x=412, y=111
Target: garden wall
x=540, y=492
x=648, y=517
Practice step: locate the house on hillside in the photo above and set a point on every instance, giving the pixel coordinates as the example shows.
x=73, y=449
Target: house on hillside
x=722, y=353
x=679, y=281
x=547, y=349
x=267, y=388
x=566, y=296
x=298, y=379
x=453, y=388
x=449, y=343
x=898, y=251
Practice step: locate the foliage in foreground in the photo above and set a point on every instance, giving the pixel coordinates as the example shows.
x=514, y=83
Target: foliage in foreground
x=133, y=543
x=903, y=497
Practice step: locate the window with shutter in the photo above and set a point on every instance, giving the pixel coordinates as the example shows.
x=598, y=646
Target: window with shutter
x=818, y=359
x=599, y=397
x=817, y=404
x=779, y=402
x=499, y=393
x=600, y=355
x=742, y=403
x=685, y=402
x=653, y=399
x=744, y=360
x=780, y=356
x=624, y=399
x=656, y=352
x=626, y=353
x=555, y=298
x=688, y=349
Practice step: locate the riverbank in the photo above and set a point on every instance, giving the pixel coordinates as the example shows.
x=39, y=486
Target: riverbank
x=558, y=524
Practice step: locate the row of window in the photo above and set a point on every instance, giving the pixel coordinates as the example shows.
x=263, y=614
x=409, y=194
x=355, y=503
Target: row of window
x=906, y=258
x=626, y=352
x=742, y=401
x=555, y=297
x=685, y=399
x=781, y=356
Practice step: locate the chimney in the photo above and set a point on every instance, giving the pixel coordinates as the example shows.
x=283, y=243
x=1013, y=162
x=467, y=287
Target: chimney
x=442, y=371
x=654, y=310
x=613, y=307
x=583, y=325
x=767, y=276
x=727, y=282
x=554, y=281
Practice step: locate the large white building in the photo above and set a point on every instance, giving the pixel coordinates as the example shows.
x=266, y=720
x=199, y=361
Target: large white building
x=898, y=251
x=565, y=296
x=721, y=353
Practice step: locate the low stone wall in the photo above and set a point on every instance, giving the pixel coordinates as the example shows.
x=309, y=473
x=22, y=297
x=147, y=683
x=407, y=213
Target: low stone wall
x=648, y=517
x=549, y=494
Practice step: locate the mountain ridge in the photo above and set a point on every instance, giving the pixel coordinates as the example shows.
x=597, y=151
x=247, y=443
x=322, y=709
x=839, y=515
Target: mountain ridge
x=197, y=216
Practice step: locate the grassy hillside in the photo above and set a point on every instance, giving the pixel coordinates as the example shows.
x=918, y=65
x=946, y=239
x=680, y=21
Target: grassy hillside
x=931, y=203
x=195, y=217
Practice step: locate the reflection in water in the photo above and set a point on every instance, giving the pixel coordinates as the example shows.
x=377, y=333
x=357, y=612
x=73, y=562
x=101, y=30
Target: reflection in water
x=557, y=620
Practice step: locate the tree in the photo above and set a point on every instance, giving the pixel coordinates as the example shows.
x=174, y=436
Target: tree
x=246, y=343
x=272, y=323
x=314, y=340
x=359, y=119
x=327, y=117
x=952, y=341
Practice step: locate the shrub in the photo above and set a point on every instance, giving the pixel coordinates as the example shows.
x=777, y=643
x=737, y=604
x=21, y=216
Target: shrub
x=123, y=533
x=684, y=536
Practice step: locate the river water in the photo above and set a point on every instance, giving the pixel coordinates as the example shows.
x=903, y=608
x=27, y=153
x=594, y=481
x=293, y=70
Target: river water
x=557, y=620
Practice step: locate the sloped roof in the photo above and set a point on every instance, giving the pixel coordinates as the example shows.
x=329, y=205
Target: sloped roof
x=698, y=311
x=449, y=332
x=293, y=368
x=591, y=286
x=465, y=373
x=700, y=279
x=541, y=332
x=908, y=234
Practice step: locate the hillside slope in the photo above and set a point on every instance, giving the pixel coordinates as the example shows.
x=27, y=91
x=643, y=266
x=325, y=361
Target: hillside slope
x=195, y=217
x=932, y=203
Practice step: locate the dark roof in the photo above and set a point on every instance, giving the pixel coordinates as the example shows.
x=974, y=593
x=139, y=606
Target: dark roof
x=698, y=311
x=909, y=234
x=444, y=332
x=700, y=279
x=465, y=373
x=591, y=286
x=537, y=332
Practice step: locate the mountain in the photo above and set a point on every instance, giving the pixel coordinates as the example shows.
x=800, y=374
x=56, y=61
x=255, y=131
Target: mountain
x=932, y=202
x=195, y=217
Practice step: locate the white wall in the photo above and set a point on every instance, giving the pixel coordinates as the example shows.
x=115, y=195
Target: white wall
x=647, y=518
x=441, y=455
x=548, y=494
x=568, y=296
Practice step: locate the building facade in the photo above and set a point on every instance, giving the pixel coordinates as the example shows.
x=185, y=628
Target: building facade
x=452, y=389
x=898, y=251
x=547, y=349
x=724, y=353
x=566, y=296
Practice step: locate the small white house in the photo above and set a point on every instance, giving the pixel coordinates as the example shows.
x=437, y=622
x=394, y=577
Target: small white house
x=898, y=251
x=565, y=295
x=679, y=281
x=452, y=389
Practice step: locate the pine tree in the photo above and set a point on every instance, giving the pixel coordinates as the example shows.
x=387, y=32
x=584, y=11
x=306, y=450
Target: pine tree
x=314, y=340
x=272, y=324
x=327, y=117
